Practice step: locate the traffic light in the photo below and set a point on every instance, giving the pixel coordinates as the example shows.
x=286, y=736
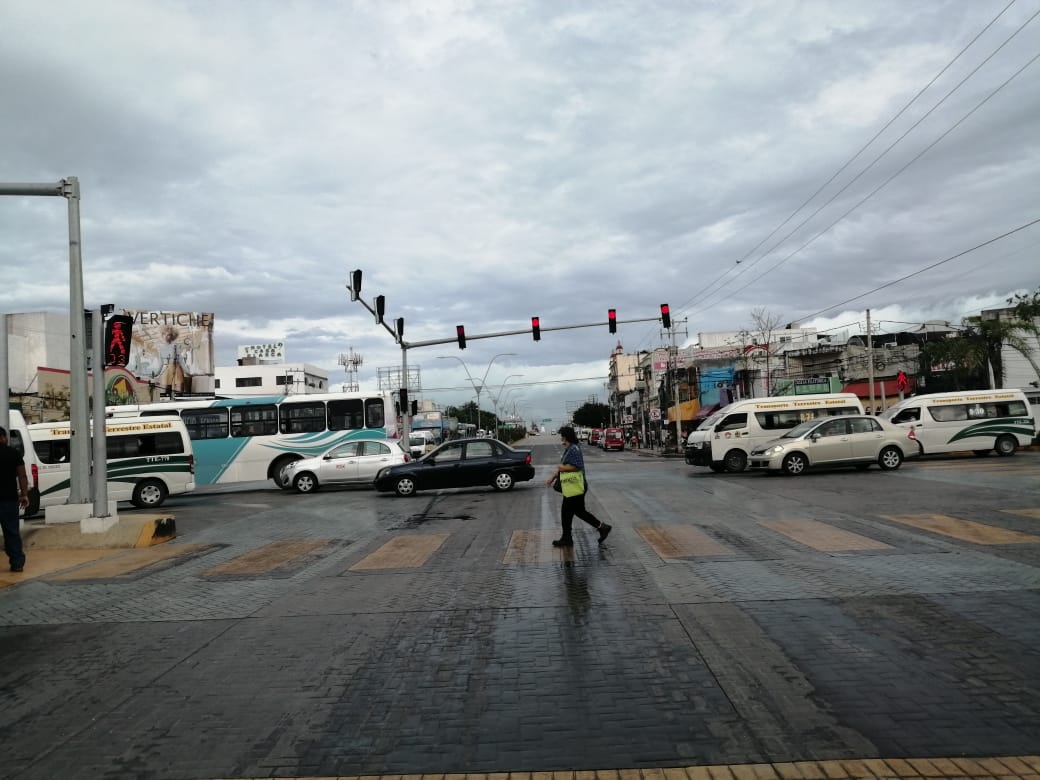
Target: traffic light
x=117, y=340
x=355, y=285
x=400, y=329
x=612, y=320
x=404, y=399
x=380, y=308
x=536, y=329
x=415, y=407
x=460, y=330
x=666, y=317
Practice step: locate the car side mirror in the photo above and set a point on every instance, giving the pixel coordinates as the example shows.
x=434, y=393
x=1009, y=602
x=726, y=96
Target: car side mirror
x=814, y=436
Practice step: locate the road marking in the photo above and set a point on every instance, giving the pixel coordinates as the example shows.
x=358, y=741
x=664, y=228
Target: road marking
x=681, y=541
x=823, y=537
x=266, y=559
x=41, y=562
x=131, y=561
x=535, y=547
x=1033, y=513
x=402, y=552
x=965, y=530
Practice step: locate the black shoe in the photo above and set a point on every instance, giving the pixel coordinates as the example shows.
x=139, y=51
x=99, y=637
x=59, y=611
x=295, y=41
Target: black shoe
x=563, y=542
x=17, y=568
x=604, y=530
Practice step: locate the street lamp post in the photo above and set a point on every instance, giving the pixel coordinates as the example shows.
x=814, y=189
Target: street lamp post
x=497, y=397
x=478, y=388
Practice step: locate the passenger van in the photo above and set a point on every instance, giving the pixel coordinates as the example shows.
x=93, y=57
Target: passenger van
x=149, y=458
x=18, y=436
x=723, y=441
x=976, y=420
x=613, y=439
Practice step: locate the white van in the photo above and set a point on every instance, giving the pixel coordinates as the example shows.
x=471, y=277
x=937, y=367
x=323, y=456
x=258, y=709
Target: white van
x=723, y=441
x=976, y=420
x=149, y=458
x=18, y=436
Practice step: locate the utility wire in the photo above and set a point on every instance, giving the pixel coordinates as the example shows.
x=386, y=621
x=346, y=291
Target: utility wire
x=878, y=158
x=926, y=268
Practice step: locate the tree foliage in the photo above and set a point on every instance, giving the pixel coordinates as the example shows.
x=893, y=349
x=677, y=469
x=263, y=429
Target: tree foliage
x=592, y=415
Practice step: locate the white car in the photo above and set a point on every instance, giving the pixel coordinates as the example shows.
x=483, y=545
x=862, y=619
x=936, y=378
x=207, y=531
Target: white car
x=355, y=462
x=844, y=440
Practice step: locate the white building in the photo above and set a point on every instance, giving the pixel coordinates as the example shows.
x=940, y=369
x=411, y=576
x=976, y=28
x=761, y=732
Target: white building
x=255, y=378
x=35, y=339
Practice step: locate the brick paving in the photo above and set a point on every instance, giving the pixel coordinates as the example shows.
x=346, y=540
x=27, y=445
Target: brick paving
x=351, y=634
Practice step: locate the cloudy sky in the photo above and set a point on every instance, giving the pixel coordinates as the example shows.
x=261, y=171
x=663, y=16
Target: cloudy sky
x=483, y=162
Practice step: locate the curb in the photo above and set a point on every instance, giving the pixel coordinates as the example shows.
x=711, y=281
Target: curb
x=127, y=533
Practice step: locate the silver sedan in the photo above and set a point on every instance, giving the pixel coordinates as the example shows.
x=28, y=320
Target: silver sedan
x=355, y=462
x=848, y=440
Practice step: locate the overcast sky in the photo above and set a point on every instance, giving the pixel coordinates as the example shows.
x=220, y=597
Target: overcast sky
x=484, y=162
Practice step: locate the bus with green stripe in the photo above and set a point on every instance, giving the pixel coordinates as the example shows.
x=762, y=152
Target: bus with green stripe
x=980, y=421
x=149, y=458
x=254, y=438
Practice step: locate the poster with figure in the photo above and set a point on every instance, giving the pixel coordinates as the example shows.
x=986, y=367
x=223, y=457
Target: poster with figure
x=170, y=347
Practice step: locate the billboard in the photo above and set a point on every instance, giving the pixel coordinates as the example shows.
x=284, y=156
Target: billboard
x=170, y=347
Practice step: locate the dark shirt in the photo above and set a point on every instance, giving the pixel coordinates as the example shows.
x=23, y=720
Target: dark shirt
x=10, y=460
x=572, y=456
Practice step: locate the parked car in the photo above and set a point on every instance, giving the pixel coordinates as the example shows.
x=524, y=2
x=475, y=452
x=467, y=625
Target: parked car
x=848, y=440
x=459, y=463
x=355, y=462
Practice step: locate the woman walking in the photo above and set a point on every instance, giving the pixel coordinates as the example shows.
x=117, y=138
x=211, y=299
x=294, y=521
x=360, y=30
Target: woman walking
x=572, y=506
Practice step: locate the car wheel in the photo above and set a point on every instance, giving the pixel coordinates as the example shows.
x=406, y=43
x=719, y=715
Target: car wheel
x=405, y=486
x=717, y=466
x=981, y=453
x=795, y=463
x=735, y=460
x=278, y=475
x=1006, y=445
x=890, y=458
x=503, y=480
x=149, y=494
x=305, y=482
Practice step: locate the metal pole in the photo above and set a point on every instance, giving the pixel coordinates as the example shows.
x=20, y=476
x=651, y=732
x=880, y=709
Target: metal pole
x=5, y=400
x=79, y=416
x=406, y=422
x=675, y=390
x=100, y=447
x=870, y=364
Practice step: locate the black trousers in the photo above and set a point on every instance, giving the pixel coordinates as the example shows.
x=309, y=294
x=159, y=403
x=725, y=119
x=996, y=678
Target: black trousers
x=574, y=506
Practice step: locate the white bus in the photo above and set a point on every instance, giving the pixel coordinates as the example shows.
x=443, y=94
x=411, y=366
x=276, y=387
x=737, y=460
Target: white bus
x=978, y=420
x=148, y=459
x=253, y=439
x=722, y=442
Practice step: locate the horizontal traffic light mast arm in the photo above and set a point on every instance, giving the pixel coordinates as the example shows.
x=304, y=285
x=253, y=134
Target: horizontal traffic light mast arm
x=523, y=332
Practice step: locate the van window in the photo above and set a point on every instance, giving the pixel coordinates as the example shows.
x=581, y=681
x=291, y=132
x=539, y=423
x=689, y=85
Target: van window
x=733, y=422
x=913, y=414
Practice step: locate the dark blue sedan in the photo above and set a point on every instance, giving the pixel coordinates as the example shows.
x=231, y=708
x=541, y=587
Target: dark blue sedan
x=456, y=464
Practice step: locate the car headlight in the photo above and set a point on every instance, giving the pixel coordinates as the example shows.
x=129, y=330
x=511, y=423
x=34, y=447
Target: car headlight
x=776, y=449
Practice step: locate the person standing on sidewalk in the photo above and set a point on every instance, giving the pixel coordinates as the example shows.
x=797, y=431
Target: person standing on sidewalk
x=572, y=506
x=14, y=493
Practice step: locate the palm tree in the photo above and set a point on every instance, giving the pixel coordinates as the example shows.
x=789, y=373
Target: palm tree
x=969, y=357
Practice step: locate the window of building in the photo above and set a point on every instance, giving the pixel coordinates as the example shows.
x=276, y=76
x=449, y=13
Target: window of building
x=248, y=381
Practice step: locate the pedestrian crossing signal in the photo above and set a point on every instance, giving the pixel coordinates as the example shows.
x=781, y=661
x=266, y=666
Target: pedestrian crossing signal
x=117, y=340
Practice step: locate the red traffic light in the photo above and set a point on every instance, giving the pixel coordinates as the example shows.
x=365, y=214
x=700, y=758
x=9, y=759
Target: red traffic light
x=612, y=320
x=117, y=340
x=536, y=329
x=460, y=330
x=666, y=317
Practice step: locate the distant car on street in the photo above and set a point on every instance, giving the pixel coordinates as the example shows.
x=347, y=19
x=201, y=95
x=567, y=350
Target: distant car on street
x=355, y=462
x=459, y=463
x=847, y=440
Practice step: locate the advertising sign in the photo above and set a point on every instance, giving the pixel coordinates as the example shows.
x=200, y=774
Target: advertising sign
x=170, y=347
x=272, y=351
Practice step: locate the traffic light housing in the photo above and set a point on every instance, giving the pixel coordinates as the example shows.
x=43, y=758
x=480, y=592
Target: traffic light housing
x=666, y=317
x=536, y=328
x=399, y=327
x=117, y=340
x=415, y=407
x=355, y=285
x=612, y=320
x=380, y=308
x=404, y=399
x=460, y=330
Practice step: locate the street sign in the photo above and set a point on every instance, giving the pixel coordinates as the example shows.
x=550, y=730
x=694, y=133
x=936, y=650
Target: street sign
x=655, y=414
x=547, y=419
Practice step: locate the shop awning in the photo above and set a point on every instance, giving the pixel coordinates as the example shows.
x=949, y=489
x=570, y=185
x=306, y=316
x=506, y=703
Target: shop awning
x=706, y=412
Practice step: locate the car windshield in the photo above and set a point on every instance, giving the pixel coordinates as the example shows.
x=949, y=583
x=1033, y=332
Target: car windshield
x=801, y=429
